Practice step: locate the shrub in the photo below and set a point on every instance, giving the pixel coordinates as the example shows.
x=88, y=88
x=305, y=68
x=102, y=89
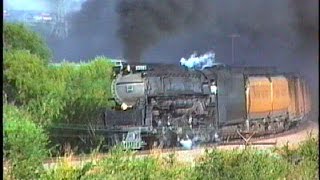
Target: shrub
x=304, y=160
x=121, y=165
x=28, y=83
x=65, y=170
x=24, y=144
x=19, y=37
x=309, y=149
x=68, y=94
x=247, y=164
x=87, y=89
x=237, y=164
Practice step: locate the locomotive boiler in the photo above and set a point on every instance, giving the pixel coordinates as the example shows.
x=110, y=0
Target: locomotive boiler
x=172, y=103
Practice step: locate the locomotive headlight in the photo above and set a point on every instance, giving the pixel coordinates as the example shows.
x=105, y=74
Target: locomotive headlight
x=124, y=106
x=213, y=89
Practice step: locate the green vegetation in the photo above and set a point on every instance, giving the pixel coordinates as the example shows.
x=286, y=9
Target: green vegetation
x=37, y=95
x=20, y=37
x=248, y=164
x=27, y=84
x=68, y=94
x=24, y=144
x=121, y=165
x=303, y=161
x=215, y=164
x=86, y=89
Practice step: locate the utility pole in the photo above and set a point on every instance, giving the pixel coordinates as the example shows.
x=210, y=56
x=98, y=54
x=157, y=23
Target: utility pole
x=232, y=36
x=60, y=26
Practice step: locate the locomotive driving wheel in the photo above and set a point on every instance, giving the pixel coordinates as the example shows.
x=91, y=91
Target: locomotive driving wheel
x=167, y=138
x=286, y=125
x=257, y=127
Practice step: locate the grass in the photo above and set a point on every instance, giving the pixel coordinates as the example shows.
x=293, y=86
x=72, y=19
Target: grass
x=279, y=163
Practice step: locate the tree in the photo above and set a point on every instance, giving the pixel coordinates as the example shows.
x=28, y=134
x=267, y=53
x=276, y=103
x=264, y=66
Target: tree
x=19, y=37
x=28, y=82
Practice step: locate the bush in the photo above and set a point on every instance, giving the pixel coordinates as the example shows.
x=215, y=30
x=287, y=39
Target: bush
x=121, y=165
x=66, y=170
x=304, y=160
x=28, y=83
x=309, y=150
x=19, y=37
x=24, y=144
x=237, y=164
x=67, y=94
x=248, y=164
x=26, y=73
x=87, y=89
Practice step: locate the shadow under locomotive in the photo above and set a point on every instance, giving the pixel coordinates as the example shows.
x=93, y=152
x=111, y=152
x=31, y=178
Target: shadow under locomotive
x=161, y=105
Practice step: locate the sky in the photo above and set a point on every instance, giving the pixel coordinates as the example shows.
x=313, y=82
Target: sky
x=25, y=4
x=35, y=5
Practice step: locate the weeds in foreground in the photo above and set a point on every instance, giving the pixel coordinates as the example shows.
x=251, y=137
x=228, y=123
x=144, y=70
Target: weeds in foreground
x=281, y=163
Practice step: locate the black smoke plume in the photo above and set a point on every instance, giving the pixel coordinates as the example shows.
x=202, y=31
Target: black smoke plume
x=271, y=33
x=145, y=22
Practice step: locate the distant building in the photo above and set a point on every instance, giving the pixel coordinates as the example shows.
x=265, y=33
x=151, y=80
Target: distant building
x=27, y=16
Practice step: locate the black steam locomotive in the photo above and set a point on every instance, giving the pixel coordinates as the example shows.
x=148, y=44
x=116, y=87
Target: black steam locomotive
x=164, y=105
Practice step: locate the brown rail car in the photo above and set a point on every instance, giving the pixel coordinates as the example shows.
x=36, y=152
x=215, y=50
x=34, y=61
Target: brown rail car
x=258, y=95
x=280, y=96
x=267, y=96
x=306, y=97
x=300, y=97
x=293, y=108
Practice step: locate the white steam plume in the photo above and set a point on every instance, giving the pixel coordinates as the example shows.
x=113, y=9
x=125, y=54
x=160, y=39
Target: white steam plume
x=199, y=63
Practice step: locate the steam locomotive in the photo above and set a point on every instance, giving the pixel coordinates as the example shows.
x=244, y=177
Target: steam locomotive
x=167, y=104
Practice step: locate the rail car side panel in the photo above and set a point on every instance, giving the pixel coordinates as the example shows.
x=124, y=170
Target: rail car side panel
x=280, y=96
x=307, y=100
x=300, y=97
x=293, y=107
x=306, y=97
x=259, y=101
